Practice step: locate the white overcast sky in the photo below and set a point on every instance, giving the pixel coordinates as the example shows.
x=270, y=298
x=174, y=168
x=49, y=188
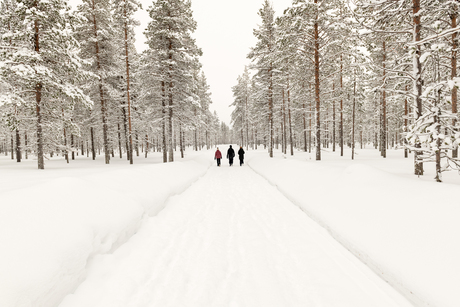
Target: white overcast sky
x=224, y=33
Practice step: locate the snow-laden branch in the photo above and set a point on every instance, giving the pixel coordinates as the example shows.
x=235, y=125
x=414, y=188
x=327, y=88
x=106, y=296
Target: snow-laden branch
x=433, y=37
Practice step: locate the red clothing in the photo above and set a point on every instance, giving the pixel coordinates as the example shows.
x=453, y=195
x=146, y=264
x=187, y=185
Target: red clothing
x=218, y=154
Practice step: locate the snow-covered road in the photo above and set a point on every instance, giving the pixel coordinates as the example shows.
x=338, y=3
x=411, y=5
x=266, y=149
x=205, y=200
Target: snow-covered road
x=231, y=239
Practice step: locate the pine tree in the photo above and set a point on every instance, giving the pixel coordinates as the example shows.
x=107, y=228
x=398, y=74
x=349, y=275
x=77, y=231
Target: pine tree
x=240, y=115
x=263, y=57
x=123, y=15
x=97, y=47
x=41, y=58
x=169, y=37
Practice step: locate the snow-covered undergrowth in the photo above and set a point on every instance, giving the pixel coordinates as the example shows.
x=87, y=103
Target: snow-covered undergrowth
x=405, y=228
x=53, y=222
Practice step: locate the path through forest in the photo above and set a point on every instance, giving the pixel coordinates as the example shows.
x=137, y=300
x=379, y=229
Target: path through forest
x=231, y=239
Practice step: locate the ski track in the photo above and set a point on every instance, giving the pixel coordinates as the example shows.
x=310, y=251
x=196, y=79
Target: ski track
x=231, y=239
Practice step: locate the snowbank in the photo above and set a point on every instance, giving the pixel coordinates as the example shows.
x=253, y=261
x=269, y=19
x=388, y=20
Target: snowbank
x=53, y=222
x=405, y=228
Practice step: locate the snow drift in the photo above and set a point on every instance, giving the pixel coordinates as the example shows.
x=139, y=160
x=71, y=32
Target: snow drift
x=405, y=228
x=51, y=227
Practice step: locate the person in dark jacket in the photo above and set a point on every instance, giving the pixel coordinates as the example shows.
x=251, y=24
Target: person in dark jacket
x=218, y=156
x=241, y=155
x=230, y=155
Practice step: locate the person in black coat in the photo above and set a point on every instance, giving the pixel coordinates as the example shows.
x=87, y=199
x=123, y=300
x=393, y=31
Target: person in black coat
x=241, y=155
x=230, y=155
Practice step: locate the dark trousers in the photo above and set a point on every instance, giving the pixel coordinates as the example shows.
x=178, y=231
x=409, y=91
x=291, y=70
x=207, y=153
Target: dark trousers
x=231, y=161
x=241, y=162
x=218, y=161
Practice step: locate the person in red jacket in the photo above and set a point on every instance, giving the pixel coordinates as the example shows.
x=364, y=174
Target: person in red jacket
x=218, y=156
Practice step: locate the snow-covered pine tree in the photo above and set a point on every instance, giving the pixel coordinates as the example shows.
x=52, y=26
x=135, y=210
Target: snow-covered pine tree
x=96, y=36
x=317, y=39
x=150, y=96
x=263, y=57
x=123, y=17
x=288, y=45
x=434, y=131
x=447, y=14
x=98, y=47
x=11, y=106
x=241, y=103
x=378, y=17
x=169, y=37
x=40, y=54
x=204, y=96
x=420, y=31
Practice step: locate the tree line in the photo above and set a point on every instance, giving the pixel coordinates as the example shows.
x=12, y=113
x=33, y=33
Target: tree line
x=72, y=81
x=336, y=73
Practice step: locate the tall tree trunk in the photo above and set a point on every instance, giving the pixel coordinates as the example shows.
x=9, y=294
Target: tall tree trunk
x=101, y=89
x=195, y=132
x=38, y=100
x=170, y=107
x=119, y=141
x=284, y=125
x=72, y=145
x=126, y=131
x=146, y=144
x=326, y=128
x=438, y=140
x=453, y=18
x=137, y=144
x=270, y=110
x=131, y=161
x=40, y=156
x=66, y=152
x=417, y=71
x=163, y=123
x=12, y=147
x=384, y=104
x=406, y=113
x=353, y=120
x=310, y=119
x=25, y=145
x=290, y=123
x=18, y=146
x=317, y=98
x=376, y=126
x=341, y=108
x=333, y=119
x=247, y=121
x=305, y=127
x=93, y=148
x=181, y=143
x=104, y=127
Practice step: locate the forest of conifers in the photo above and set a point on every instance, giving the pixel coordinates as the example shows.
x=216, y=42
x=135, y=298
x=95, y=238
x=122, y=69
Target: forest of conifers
x=350, y=73
x=72, y=81
x=326, y=73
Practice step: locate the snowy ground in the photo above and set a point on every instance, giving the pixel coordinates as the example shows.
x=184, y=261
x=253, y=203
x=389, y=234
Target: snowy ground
x=86, y=234
x=404, y=227
x=53, y=222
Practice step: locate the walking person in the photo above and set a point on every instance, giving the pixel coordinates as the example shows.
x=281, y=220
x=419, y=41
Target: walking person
x=218, y=156
x=241, y=155
x=230, y=155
